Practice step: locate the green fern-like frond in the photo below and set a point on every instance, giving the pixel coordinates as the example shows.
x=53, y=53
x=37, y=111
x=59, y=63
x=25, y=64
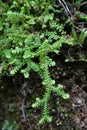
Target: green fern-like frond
x=30, y=31
x=50, y=86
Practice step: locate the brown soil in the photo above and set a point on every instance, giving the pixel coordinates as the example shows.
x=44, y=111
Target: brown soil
x=67, y=114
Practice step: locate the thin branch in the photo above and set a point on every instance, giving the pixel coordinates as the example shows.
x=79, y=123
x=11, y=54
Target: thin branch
x=23, y=110
x=65, y=6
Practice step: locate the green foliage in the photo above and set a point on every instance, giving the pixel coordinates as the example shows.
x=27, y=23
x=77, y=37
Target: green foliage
x=81, y=16
x=78, y=40
x=30, y=30
x=9, y=125
x=77, y=3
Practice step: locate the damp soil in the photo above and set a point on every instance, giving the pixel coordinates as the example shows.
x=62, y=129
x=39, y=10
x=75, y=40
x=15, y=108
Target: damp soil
x=18, y=94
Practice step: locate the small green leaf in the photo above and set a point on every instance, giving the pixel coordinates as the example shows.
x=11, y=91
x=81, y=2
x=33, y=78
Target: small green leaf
x=74, y=35
x=31, y=21
x=26, y=75
x=65, y=96
x=7, y=53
